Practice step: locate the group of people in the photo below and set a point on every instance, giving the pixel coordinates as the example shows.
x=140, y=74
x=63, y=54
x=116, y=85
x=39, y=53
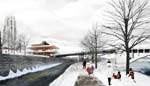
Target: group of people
x=118, y=75
x=110, y=74
x=89, y=68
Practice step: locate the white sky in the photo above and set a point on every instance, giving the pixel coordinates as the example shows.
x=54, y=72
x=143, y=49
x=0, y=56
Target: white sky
x=65, y=21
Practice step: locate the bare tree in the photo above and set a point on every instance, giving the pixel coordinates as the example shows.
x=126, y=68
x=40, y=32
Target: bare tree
x=0, y=44
x=23, y=42
x=92, y=43
x=5, y=42
x=128, y=23
x=88, y=46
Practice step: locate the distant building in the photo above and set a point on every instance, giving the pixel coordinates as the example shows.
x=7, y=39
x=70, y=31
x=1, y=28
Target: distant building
x=43, y=49
x=139, y=51
x=9, y=33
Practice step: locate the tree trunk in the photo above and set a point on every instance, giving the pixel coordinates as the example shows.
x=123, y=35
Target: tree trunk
x=0, y=45
x=92, y=54
x=96, y=59
x=92, y=58
x=127, y=62
x=96, y=52
x=20, y=47
x=126, y=20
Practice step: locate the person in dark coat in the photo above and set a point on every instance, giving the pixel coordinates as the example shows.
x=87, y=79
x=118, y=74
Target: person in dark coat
x=92, y=69
x=84, y=64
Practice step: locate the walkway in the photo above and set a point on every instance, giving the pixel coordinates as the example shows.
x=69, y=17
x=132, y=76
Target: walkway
x=75, y=75
x=84, y=80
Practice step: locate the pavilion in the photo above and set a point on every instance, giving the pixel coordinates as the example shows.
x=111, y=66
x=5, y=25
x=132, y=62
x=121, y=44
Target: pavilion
x=43, y=49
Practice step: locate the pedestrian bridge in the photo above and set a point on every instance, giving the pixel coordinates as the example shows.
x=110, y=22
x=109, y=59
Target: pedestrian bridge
x=140, y=56
x=135, y=57
x=86, y=53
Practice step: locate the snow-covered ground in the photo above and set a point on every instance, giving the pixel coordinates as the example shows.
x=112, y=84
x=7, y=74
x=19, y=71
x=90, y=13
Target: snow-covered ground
x=69, y=77
x=25, y=71
x=141, y=80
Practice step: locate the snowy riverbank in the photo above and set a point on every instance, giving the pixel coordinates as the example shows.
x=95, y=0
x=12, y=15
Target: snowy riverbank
x=69, y=77
x=26, y=71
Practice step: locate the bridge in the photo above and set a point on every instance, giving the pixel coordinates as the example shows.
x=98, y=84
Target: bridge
x=85, y=53
x=110, y=51
x=138, y=57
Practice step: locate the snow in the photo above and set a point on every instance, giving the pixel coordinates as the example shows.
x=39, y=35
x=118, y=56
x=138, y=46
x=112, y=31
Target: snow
x=141, y=80
x=69, y=77
x=25, y=71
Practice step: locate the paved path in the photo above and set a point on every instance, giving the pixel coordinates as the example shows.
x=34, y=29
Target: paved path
x=84, y=80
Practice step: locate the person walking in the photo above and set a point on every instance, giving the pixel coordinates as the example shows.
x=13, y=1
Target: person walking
x=92, y=69
x=131, y=74
x=84, y=64
x=88, y=69
x=109, y=71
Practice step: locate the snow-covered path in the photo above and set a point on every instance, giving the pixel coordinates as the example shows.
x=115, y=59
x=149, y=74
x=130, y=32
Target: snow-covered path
x=69, y=77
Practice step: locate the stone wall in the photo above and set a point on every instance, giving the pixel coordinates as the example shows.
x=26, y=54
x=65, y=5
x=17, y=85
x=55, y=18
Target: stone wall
x=14, y=62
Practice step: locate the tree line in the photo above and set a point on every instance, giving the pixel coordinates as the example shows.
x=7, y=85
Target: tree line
x=127, y=23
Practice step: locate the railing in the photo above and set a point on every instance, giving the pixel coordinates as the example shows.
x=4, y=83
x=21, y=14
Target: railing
x=85, y=53
x=140, y=56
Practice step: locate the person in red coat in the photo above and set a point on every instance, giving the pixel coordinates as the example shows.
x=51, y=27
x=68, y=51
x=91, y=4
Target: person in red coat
x=115, y=76
x=119, y=75
x=88, y=69
x=131, y=73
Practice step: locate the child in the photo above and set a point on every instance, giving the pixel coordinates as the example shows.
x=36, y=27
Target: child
x=119, y=75
x=131, y=73
x=115, y=76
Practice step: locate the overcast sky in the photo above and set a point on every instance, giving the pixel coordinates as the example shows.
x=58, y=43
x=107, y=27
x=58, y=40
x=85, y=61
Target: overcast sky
x=62, y=21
